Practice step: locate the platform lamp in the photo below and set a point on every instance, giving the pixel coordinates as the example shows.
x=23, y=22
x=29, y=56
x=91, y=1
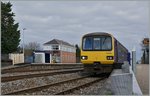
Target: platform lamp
x=23, y=41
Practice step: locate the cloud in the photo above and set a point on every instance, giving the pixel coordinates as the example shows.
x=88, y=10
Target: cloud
x=69, y=20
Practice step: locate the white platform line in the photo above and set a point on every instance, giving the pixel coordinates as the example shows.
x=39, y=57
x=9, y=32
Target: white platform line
x=136, y=88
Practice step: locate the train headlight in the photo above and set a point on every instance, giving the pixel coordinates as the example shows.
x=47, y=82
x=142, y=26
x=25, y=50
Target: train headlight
x=109, y=57
x=83, y=57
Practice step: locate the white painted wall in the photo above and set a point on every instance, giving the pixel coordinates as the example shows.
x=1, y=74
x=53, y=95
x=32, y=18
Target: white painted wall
x=61, y=47
x=41, y=59
x=50, y=58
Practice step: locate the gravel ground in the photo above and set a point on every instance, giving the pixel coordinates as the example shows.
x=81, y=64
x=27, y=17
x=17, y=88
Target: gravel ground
x=92, y=89
x=33, y=82
x=55, y=89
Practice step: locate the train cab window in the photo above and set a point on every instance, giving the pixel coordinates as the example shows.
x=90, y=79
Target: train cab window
x=103, y=43
x=106, y=43
x=87, y=43
x=96, y=43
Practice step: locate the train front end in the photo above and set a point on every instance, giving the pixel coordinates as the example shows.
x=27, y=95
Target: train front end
x=97, y=51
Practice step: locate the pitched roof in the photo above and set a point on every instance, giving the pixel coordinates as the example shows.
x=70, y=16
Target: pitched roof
x=56, y=41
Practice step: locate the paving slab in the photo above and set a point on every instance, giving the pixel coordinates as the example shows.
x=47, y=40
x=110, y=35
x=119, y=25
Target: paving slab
x=142, y=76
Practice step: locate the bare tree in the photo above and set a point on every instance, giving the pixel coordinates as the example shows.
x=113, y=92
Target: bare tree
x=30, y=47
x=33, y=46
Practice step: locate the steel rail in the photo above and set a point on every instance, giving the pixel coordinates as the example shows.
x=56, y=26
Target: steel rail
x=12, y=78
x=33, y=70
x=78, y=87
x=27, y=90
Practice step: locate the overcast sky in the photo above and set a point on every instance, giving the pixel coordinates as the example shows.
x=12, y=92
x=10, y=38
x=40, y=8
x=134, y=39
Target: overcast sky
x=45, y=20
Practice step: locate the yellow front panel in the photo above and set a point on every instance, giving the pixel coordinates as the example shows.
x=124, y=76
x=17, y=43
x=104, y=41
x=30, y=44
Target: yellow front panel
x=97, y=56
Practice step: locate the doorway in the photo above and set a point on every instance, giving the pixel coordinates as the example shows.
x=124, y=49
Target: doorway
x=47, y=58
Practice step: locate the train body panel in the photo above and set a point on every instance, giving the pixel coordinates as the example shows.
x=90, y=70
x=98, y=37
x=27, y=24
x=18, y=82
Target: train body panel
x=121, y=53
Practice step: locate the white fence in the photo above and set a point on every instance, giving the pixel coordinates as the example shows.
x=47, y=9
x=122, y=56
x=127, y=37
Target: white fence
x=17, y=57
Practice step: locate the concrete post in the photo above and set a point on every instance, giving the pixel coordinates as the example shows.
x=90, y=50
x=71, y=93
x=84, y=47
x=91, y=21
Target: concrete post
x=134, y=61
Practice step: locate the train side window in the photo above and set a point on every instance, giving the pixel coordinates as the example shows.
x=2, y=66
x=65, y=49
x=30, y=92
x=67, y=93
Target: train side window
x=87, y=43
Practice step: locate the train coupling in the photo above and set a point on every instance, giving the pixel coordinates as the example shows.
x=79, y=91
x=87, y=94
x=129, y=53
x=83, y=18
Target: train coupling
x=96, y=65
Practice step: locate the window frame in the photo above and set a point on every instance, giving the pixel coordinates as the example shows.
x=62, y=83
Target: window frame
x=55, y=48
x=92, y=43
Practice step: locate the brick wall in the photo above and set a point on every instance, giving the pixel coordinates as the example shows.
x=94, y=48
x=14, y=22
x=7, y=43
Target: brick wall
x=68, y=57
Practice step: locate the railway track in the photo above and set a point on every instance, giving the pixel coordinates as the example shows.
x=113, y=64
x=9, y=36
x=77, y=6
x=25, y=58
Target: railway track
x=37, y=67
x=65, y=92
x=33, y=70
x=58, y=88
x=17, y=77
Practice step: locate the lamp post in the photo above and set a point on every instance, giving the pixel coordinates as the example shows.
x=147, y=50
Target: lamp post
x=23, y=39
x=61, y=52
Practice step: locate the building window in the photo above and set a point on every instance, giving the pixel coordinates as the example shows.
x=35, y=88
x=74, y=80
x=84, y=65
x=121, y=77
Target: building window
x=55, y=47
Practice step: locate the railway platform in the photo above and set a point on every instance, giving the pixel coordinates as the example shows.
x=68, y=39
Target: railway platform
x=142, y=76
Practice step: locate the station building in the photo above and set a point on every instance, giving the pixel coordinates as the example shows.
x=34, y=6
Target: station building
x=56, y=51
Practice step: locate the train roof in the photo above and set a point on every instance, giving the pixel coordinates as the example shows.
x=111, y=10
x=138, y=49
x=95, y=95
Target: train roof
x=97, y=33
x=103, y=33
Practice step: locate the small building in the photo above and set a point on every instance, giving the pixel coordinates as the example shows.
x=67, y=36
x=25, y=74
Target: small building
x=56, y=51
x=145, y=48
x=42, y=57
